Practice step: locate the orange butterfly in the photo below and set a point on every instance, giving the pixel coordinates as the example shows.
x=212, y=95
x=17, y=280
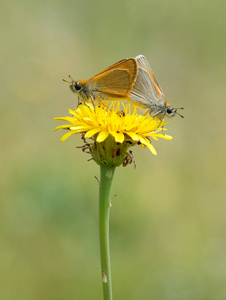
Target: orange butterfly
x=113, y=83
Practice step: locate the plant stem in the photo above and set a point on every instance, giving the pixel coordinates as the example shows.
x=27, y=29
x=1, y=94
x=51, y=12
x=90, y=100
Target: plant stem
x=106, y=176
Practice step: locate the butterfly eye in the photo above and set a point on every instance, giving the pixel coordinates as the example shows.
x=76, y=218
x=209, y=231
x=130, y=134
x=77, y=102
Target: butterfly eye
x=78, y=86
x=169, y=110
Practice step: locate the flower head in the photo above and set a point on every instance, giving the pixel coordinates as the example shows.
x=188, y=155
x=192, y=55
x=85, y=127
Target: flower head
x=112, y=131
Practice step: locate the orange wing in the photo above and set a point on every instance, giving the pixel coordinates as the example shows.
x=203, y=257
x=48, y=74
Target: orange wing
x=117, y=79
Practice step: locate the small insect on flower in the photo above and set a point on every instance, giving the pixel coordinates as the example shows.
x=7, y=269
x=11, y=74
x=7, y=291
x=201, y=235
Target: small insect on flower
x=113, y=83
x=146, y=92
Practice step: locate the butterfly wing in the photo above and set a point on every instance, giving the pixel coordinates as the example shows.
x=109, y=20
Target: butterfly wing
x=157, y=92
x=144, y=93
x=117, y=80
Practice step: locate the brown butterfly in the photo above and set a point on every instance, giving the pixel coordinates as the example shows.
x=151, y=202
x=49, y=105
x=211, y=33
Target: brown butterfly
x=113, y=83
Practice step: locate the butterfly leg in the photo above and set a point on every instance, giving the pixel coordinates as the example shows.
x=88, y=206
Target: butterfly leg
x=101, y=103
x=92, y=101
x=163, y=130
x=147, y=112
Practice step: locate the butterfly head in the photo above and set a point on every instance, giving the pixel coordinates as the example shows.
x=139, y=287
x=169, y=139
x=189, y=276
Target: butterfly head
x=172, y=112
x=75, y=86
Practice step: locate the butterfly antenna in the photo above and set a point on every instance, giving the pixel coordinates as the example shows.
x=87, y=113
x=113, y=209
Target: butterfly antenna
x=177, y=112
x=66, y=80
x=179, y=115
x=71, y=77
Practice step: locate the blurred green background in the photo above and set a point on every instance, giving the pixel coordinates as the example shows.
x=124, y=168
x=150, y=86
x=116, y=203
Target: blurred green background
x=168, y=233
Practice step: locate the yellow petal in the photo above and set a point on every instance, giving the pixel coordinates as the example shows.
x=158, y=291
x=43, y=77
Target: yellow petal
x=133, y=136
x=91, y=132
x=144, y=141
x=166, y=137
x=68, y=119
x=160, y=135
x=152, y=148
x=61, y=127
x=102, y=136
x=119, y=136
x=78, y=128
x=64, y=137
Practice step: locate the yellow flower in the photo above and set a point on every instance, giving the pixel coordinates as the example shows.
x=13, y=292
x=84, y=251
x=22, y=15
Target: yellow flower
x=112, y=128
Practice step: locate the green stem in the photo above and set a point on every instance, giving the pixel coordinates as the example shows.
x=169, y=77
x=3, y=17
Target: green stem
x=106, y=176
